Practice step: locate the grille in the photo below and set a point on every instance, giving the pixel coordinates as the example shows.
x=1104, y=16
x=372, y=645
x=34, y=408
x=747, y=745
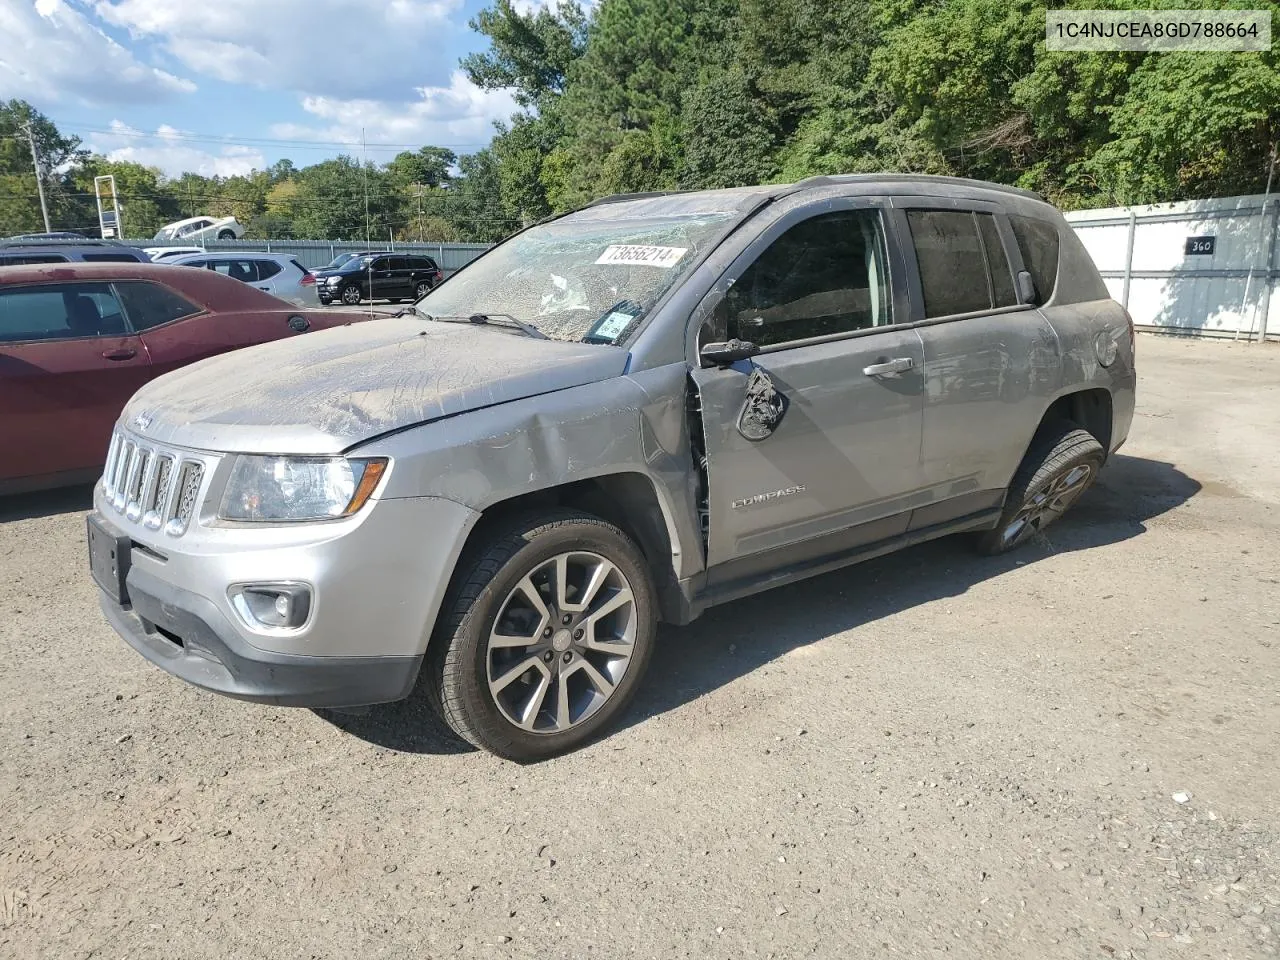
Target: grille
x=152, y=485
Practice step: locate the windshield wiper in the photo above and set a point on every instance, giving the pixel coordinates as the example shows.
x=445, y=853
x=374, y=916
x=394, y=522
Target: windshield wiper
x=505, y=318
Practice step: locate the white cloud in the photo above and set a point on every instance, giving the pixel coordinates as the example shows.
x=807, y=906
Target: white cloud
x=348, y=49
x=459, y=116
x=52, y=53
x=167, y=150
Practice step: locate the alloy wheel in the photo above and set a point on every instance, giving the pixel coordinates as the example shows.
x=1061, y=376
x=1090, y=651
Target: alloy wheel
x=351, y=295
x=1045, y=506
x=561, y=642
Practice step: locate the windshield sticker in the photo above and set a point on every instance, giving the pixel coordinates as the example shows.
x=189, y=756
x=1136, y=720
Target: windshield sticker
x=612, y=326
x=626, y=253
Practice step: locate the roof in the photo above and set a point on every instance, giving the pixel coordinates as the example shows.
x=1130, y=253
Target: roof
x=739, y=199
x=207, y=287
x=60, y=242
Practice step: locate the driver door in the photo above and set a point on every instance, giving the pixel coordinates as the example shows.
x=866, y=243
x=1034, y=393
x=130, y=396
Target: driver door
x=813, y=445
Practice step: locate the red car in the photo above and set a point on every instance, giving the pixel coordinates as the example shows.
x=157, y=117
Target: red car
x=77, y=339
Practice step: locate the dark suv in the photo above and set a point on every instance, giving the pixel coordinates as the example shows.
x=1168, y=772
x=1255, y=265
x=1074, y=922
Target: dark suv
x=18, y=252
x=386, y=276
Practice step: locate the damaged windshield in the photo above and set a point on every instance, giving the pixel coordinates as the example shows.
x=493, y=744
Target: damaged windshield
x=589, y=280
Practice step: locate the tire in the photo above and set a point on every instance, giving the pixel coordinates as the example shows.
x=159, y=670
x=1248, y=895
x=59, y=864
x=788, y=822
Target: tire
x=350, y=294
x=226, y=234
x=473, y=681
x=421, y=290
x=1047, y=483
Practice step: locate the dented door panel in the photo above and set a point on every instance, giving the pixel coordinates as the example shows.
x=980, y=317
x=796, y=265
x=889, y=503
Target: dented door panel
x=843, y=447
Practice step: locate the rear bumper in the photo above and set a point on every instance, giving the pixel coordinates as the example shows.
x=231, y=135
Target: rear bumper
x=187, y=635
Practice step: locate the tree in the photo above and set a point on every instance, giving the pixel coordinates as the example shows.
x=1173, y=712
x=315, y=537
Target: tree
x=528, y=52
x=19, y=198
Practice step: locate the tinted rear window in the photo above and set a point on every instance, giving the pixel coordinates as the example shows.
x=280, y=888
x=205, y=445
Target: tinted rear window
x=953, y=269
x=1002, y=294
x=1038, y=242
x=151, y=304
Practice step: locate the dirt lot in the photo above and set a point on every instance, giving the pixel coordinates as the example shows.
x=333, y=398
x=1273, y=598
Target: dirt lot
x=1069, y=752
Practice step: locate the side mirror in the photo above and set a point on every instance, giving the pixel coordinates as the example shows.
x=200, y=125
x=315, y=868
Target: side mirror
x=723, y=354
x=1026, y=287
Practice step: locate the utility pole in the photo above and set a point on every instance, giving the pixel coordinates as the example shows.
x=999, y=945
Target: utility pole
x=35, y=162
x=418, y=191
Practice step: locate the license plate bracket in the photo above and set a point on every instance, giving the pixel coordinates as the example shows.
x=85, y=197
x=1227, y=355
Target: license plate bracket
x=109, y=559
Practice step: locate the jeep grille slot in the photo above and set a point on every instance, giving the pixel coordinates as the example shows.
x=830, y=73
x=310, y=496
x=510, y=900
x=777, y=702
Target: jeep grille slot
x=150, y=485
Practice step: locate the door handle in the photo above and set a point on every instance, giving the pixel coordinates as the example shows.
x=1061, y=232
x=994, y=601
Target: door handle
x=889, y=368
x=125, y=353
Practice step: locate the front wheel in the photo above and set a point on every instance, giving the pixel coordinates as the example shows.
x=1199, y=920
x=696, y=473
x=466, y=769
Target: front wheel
x=351, y=295
x=547, y=633
x=1061, y=465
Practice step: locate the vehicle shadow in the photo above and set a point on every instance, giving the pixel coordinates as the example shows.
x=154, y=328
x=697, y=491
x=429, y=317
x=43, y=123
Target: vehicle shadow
x=693, y=660
x=46, y=503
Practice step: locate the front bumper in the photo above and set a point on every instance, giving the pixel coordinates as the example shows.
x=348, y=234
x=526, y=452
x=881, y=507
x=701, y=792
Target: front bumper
x=187, y=635
x=376, y=582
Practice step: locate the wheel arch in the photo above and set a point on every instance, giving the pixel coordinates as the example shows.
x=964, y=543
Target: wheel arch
x=630, y=501
x=1091, y=408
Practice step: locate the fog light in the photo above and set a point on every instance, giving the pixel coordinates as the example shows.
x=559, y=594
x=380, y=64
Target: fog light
x=274, y=606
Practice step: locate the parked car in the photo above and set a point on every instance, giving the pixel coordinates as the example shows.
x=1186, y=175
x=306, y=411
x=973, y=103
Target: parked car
x=77, y=339
x=342, y=258
x=384, y=276
x=275, y=273
x=165, y=254
x=16, y=252
x=202, y=229
x=628, y=414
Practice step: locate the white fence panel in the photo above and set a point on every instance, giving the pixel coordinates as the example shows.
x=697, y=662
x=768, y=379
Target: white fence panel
x=1204, y=267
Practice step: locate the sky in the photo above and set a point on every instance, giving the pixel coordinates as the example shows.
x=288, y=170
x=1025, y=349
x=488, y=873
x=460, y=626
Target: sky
x=220, y=87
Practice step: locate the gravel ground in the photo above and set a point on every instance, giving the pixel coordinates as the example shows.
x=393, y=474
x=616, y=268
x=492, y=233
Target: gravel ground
x=1068, y=752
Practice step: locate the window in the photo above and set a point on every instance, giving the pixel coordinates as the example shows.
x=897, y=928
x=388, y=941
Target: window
x=1038, y=241
x=267, y=269
x=823, y=276
x=246, y=271
x=151, y=304
x=953, y=270
x=421, y=263
x=59, y=311
x=381, y=263
x=109, y=258
x=31, y=258
x=1002, y=294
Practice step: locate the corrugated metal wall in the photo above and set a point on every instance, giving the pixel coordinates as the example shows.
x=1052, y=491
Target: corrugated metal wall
x=1146, y=257
x=316, y=253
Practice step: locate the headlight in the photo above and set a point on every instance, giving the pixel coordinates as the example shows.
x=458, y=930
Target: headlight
x=299, y=488
x=333, y=281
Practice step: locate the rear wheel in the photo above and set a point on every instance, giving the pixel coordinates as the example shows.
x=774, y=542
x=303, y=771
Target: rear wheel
x=226, y=234
x=422, y=289
x=1061, y=465
x=545, y=637
x=350, y=294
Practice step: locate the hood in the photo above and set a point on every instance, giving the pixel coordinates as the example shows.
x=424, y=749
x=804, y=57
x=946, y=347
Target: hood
x=326, y=391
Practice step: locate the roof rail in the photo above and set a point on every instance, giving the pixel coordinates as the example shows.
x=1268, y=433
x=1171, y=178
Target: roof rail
x=623, y=197
x=61, y=242
x=841, y=178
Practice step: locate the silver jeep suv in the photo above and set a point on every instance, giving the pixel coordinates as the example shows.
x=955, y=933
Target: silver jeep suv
x=623, y=415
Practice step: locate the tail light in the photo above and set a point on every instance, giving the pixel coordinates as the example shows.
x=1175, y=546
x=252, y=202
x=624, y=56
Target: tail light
x=439, y=275
x=308, y=280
